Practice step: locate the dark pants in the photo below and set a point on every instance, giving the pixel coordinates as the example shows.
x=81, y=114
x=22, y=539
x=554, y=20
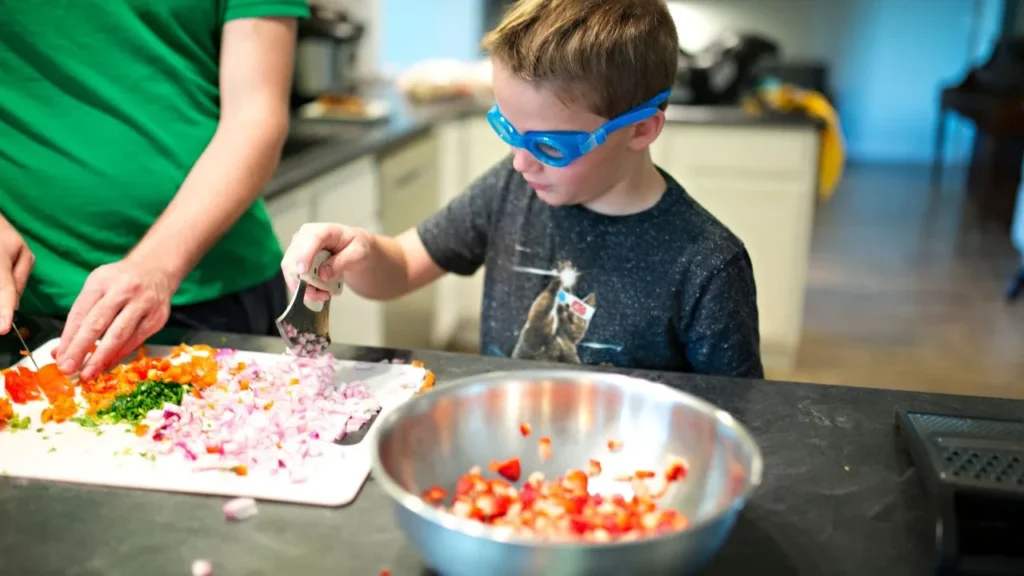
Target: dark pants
x=251, y=311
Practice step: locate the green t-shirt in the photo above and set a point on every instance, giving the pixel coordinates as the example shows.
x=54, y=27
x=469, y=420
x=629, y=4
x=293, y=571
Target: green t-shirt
x=105, y=105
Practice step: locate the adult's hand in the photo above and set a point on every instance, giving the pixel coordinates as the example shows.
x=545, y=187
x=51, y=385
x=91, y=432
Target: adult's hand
x=16, y=261
x=121, y=305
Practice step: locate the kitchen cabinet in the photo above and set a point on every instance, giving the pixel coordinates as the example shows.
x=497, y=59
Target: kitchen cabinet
x=761, y=182
x=350, y=196
x=468, y=149
x=346, y=195
x=409, y=192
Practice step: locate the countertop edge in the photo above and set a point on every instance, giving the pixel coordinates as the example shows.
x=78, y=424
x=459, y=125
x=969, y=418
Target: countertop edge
x=411, y=120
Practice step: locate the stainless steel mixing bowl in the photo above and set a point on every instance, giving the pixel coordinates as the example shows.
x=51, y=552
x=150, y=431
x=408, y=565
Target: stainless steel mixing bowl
x=437, y=437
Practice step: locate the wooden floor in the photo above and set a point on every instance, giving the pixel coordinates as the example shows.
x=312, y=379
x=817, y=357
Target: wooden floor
x=906, y=291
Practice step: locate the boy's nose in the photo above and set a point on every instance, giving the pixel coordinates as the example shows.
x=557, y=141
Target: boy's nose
x=524, y=162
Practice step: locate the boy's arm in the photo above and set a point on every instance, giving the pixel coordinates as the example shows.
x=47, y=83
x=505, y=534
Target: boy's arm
x=454, y=239
x=390, y=268
x=722, y=336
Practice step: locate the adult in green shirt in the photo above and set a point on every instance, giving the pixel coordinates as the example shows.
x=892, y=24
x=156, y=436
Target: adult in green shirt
x=135, y=138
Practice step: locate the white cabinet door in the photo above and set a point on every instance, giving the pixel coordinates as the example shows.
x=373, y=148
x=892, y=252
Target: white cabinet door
x=409, y=194
x=760, y=182
x=451, y=145
x=484, y=149
x=349, y=195
x=289, y=211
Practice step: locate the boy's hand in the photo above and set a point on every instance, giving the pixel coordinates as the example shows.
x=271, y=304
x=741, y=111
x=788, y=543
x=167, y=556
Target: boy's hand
x=349, y=247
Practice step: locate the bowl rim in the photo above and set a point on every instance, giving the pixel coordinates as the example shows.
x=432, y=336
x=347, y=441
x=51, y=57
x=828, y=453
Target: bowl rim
x=415, y=504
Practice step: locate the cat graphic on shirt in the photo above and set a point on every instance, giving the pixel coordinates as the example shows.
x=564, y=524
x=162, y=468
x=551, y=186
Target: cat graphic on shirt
x=553, y=330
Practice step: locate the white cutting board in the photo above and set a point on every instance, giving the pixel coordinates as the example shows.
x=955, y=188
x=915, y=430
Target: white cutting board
x=67, y=452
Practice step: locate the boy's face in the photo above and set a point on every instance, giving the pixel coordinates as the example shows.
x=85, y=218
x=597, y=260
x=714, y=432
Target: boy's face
x=528, y=108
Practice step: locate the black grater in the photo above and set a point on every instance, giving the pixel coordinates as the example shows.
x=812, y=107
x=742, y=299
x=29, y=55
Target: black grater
x=973, y=469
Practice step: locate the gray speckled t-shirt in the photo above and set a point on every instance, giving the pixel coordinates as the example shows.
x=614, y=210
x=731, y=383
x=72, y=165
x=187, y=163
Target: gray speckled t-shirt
x=669, y=288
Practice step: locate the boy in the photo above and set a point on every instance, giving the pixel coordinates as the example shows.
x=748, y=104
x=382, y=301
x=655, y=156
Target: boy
x=593, y=254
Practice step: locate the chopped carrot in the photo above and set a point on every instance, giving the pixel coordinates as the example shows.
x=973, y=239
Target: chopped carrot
x=24, y=352
x=241, y=470
x=243, y=385
x=269, y=405
x=544, y=448
x=141, y=430
x=428, y=382
x=6, y=410
x=615, y=445
x=525, y=429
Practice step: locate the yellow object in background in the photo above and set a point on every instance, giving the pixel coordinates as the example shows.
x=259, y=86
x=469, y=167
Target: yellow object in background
x=786, y=98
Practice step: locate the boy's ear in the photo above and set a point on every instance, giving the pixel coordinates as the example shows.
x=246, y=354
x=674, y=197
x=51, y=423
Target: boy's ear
x=646, y=132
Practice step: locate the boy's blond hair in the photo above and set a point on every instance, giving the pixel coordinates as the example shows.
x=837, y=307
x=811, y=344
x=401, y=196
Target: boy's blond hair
x=608, y=55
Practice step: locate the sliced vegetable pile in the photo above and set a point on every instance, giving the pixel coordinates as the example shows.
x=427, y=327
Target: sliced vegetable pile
x=265, y=418
x=564, y=509
x=204, y=405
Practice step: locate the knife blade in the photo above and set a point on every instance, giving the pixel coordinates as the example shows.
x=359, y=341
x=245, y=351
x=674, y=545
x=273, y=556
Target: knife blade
x=24, y=346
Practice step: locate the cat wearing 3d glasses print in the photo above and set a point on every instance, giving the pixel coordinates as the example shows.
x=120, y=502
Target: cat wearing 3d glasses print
x=592, y=254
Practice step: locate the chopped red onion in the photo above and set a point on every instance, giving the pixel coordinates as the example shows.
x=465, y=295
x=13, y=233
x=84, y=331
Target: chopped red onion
x=240, y=509
x=268, y=416
x=202, y=568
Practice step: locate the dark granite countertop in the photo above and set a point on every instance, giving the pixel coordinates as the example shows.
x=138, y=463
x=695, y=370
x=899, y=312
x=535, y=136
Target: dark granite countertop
x=328, y=144
x=839, y=495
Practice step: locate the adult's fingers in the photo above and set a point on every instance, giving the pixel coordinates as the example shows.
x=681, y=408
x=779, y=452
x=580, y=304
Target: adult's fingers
x=88, y=330
x=8, y=294
x=22, y=268
x=91, y=294
x=114, y=341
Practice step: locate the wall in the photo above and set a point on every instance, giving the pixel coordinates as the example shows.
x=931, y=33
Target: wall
x=889, y=59
x=417, y=30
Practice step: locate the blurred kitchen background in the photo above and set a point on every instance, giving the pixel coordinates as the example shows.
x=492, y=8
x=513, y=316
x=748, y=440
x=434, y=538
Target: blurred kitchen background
x=868, y=152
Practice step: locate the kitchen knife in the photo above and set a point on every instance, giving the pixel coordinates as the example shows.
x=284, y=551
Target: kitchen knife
x=305, y=326
x=14, y=328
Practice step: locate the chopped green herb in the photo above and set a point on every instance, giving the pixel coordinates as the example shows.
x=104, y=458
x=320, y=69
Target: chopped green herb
x=52, y=449
x=39, y=429
x=21, y=423
x=46, y=437
x=148, y=395
x=86, y=421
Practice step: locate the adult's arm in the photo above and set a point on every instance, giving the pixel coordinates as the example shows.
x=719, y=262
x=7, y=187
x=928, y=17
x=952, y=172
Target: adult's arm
x=16, y=262
x=255, y=84
x=128, y=301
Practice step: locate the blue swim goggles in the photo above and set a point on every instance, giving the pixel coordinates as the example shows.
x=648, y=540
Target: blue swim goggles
x=561, y=148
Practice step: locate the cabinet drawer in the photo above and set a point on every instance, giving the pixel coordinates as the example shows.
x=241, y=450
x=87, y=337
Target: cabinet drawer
x=350, y=195
x=405, y=164
x=740, y=151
